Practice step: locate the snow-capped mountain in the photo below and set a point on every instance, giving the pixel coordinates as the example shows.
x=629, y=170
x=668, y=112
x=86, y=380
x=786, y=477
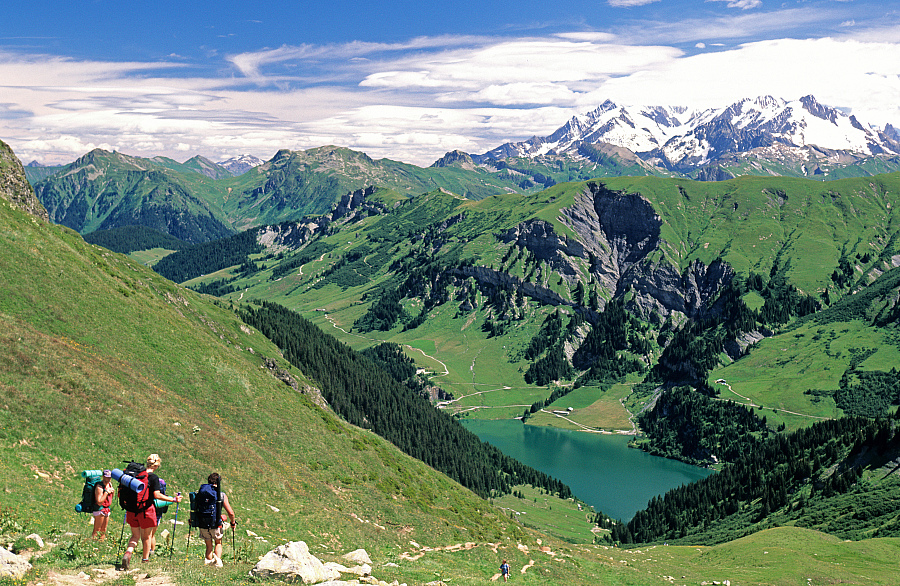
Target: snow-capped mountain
x=680, y=139
x=240, y=165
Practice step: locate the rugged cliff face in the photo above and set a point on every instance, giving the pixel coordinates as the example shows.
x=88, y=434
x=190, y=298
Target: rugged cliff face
x=14, y=187
x=292, y=235
x=617, y=236
x=540, y=238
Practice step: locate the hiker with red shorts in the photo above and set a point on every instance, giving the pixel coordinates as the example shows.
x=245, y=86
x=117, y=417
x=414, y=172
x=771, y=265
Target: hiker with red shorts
x=140, y=513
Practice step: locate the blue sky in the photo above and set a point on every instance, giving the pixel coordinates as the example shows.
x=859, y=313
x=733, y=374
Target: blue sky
x=412, y=80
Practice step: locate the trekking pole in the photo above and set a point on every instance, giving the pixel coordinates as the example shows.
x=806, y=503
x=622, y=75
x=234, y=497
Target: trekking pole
x=233, y=548
x=174, y=526
x=188, y=548
x=122, y=534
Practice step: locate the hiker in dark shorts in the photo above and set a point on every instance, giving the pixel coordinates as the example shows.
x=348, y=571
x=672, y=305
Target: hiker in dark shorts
x=504, y=570
x=212, y=528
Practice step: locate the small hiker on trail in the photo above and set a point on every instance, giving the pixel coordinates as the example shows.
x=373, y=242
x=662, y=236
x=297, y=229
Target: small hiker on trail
x=504, y=570
x=103, y=497
x=140, y=512
x=210, y=501
x=153, y=463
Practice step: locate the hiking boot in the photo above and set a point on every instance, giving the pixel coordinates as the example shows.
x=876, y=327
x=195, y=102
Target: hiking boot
x=207, y=561
x=126, y=559
x=218, y=561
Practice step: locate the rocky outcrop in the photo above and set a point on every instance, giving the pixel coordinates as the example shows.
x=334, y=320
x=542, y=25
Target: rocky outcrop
x=618, y=237
x=455, y=159
x=493, y=278
x=14, y=186
x=659, y=290
x=354, y=202
x=286, y=377
x=293, y=235
x=738, y=347
x=541, y=239
x=286, y=236
x=620, y=234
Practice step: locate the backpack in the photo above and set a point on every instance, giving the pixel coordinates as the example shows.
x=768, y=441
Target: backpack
x=165, y=504
x=128, y=499
x=88, y=503
x=205, y=507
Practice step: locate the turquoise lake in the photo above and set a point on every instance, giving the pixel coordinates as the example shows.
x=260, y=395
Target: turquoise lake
x=599, y=468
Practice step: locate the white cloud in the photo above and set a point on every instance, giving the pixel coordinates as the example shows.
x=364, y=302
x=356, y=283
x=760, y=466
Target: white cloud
x=518, y=67
x=742, y=4
x=838, y=72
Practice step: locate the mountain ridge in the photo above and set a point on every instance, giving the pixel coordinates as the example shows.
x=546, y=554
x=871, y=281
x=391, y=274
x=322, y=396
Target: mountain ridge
x=682, y=140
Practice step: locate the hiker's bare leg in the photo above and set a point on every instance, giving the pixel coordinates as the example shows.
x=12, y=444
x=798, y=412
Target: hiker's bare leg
x=145, y=541
x=100, y=524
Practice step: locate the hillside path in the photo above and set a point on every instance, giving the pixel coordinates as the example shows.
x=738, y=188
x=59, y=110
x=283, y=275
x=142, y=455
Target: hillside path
x=334, y=324
x=750, y=403
x=140, y=577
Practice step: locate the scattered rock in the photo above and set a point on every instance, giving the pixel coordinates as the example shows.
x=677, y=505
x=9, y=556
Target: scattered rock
x=37, y=539
x=359, y=556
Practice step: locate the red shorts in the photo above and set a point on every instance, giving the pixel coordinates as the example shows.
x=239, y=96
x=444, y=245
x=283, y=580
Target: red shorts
x=144, y=520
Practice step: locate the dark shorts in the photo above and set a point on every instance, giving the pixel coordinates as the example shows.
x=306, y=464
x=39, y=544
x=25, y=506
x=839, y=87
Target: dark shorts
x=144, y=520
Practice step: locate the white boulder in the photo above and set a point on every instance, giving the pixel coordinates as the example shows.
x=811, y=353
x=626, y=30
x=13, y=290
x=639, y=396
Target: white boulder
x=12, y=565
x=293, y=561
x=358, y=556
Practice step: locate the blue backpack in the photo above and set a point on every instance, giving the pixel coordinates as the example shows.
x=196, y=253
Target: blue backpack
x=205, y=507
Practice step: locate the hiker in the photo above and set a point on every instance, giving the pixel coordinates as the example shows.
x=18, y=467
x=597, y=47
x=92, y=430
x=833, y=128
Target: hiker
x=103, y=499
x=153, y=463
x=210, y=501
x=504, y=570
x=140, y=512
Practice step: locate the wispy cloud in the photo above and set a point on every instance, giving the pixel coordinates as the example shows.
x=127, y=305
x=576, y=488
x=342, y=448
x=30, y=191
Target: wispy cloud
x=735, y=27
x=628, y=3
x=742, y=4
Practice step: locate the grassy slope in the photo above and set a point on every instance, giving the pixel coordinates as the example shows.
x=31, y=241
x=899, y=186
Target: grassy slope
x=104, y=183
